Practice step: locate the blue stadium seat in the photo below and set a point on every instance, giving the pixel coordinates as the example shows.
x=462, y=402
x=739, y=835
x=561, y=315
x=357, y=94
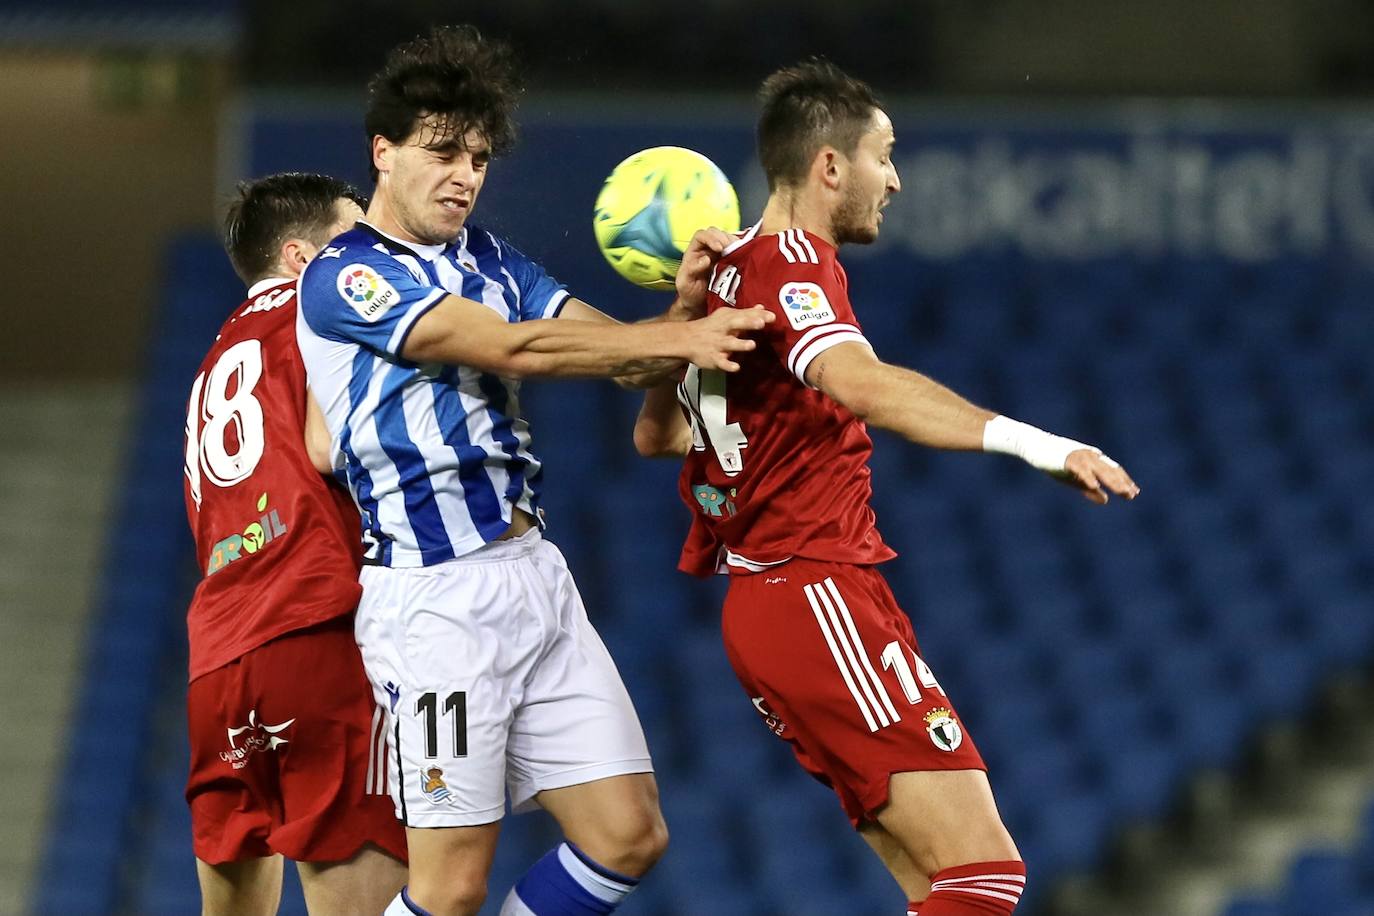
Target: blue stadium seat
x=1254, y=906
x=1320, y=882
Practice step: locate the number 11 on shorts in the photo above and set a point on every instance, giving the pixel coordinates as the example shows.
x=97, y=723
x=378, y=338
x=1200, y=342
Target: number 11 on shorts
x=455, y=709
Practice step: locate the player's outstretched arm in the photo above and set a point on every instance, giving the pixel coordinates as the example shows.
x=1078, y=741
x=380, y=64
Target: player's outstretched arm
x=661, y=430
x=459, y=331
x=655, y=372
x=319, y=444
x=927, y=413
x=695, y=271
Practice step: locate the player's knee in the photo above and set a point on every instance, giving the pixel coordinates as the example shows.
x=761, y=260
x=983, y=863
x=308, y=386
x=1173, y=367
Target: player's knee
x=635, y=844
x=461, y=896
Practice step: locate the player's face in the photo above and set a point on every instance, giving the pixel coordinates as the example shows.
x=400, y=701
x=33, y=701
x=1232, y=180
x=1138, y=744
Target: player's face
x=870, y=182
x=433, y=180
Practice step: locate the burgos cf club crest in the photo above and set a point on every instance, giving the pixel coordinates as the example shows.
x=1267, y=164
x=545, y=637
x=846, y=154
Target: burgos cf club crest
x=245, y=740
x=805, y=304
x=366, y=291
x=434, y=788
x=944, y=731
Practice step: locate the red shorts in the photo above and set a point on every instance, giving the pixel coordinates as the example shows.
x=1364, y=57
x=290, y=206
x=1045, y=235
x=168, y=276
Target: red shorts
x=832, y=664
x=289, y=754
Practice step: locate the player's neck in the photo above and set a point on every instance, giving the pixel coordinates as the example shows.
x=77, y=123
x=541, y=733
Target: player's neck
x=794, y=210
x=382, y=217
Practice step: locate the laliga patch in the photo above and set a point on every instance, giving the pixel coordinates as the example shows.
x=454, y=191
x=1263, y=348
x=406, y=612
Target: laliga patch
x=366, y=291
x=805, y=304
x=944, y=732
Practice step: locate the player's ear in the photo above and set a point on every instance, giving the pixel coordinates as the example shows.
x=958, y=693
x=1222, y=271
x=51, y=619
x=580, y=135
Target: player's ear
x=382, y=152
x=828, y=167
x=295, y=254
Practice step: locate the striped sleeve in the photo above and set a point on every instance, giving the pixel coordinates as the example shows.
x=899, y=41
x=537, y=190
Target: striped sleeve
x=801, y=282
x=541, y=296
x=365, y=297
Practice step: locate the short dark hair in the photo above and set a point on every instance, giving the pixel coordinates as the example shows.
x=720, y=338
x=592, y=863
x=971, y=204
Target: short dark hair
x=267, y=211
x=467, y=81
x=807, y=106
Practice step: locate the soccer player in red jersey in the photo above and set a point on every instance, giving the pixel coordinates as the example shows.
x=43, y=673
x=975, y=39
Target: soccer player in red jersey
x=776, y=473
x=288, y=748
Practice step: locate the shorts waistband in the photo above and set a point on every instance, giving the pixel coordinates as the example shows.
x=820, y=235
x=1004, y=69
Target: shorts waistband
x=497, y=551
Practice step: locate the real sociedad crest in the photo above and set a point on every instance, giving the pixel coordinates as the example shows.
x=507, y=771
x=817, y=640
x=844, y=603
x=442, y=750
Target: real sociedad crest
x=944, y=731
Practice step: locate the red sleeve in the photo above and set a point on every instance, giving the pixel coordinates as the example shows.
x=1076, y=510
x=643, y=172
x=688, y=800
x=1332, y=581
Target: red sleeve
x=801, y=282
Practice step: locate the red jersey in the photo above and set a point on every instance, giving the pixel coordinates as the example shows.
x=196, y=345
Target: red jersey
x=777, y=469
x=278, y=544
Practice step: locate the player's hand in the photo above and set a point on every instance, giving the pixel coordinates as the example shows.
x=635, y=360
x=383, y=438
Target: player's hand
x=695, y=270
x=713, y=340
x=1096, y=475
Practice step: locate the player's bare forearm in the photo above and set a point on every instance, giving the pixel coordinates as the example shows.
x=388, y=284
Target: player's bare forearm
x=649, y=372
x=571, y=349
x=462, y=332
x=901, y=400
x=661, y=431
x=928, y=413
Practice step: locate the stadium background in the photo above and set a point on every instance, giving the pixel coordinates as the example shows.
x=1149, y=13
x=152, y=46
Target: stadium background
x=1147, y=226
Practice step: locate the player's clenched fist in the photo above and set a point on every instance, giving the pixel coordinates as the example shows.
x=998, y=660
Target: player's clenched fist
x=715, y=338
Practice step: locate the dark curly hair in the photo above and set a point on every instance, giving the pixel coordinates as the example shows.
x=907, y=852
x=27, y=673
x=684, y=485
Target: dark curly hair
x=267, y=211
x=453, y=74
x=807, y=106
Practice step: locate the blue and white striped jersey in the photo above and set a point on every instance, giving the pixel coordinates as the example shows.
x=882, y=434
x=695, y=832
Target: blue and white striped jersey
x=436, y=456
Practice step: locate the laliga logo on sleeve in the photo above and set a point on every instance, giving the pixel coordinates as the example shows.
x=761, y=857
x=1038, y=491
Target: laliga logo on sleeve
x=805, y=304
x=366, y=291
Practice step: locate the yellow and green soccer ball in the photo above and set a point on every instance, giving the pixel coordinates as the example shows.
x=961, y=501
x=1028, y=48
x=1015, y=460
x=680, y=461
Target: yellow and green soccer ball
x=652, y=204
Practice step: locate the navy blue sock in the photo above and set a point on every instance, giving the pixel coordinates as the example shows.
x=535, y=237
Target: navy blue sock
x=565, y=882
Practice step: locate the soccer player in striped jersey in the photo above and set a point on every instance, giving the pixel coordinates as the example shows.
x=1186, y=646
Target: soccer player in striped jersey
x=288, y=749
x=776, y=474
x=416, y=327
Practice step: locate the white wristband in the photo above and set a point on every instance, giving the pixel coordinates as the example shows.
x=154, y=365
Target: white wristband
x=1041, y=450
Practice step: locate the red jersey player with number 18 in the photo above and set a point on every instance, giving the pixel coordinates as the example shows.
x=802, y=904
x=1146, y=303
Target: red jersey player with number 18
x=288, y=753
x=776, y=474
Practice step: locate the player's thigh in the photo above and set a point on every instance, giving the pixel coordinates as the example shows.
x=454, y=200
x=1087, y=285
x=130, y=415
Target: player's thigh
x=617, y=818
x=365, y=883
x=432, y=646
x=914, y=882
x=232, y=786
x=576, y=723
x=825, y=651
x=332, y=758
x=248, y=887
x=946, y=818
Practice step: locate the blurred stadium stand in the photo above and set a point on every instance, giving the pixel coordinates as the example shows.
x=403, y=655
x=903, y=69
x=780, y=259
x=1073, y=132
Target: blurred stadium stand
x=1188, y=284
x=1212, y=331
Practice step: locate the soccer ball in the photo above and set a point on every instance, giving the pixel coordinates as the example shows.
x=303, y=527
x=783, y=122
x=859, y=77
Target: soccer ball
x=651, y=205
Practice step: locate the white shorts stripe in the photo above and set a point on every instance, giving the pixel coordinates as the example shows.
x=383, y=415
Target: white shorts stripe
x=863, y=651
x=842, y=638
x=839, y=659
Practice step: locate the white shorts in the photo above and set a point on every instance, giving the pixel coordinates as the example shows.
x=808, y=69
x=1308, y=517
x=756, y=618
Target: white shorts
x=494, y=679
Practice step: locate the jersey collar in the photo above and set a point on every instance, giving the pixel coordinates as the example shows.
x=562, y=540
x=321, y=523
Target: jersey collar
x=749, y=234
x=265, y=284
x=425, y=252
